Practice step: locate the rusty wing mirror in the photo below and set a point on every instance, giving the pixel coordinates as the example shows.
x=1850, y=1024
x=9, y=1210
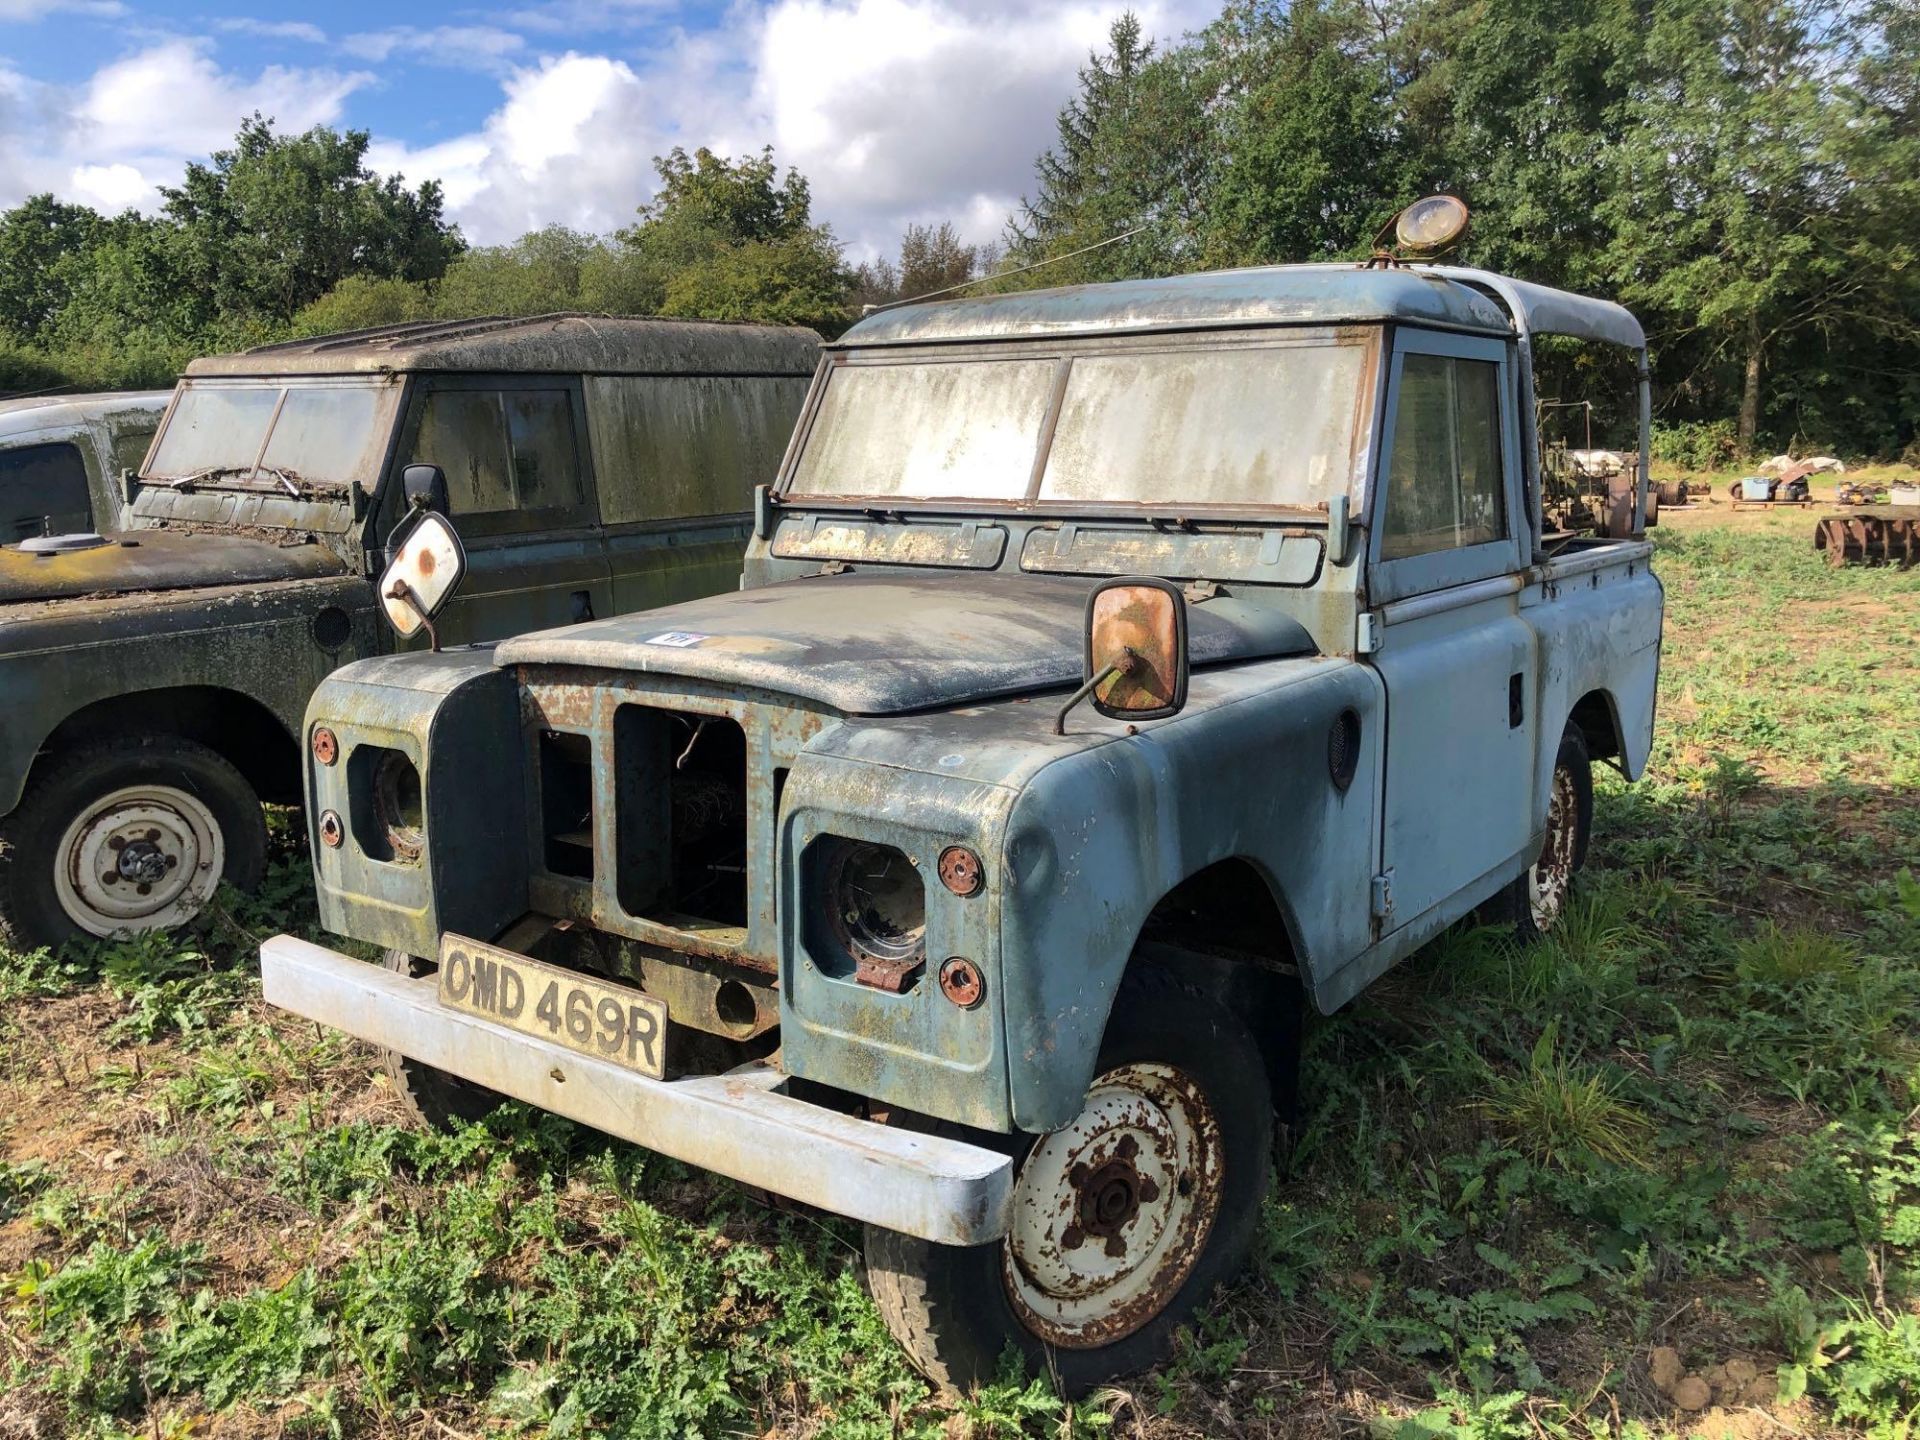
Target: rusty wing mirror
x=422, y=575
x=1137, y=660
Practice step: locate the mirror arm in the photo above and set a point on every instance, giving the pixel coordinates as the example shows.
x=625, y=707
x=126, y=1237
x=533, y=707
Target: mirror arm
x=1125, y=666
x=403, y=592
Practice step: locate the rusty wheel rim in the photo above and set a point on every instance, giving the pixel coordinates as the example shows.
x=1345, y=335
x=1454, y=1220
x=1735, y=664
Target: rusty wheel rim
x=1552, y=875
x=1111, y=1213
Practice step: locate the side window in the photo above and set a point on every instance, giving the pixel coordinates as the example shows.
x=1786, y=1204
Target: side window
x=43, y=488
x=546, y=461
x=678, y=446
x=505, y=453
x=462, y=432
x=1444, y=484
x=130, y=444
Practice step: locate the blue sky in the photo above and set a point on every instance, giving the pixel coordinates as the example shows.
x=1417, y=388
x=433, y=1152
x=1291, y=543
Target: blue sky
x=541, y=111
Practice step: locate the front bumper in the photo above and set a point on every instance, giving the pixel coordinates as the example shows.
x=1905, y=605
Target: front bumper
x=739, y=1124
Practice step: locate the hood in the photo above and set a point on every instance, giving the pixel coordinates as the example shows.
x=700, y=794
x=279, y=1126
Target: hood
x=142, y=560
x=882, y=644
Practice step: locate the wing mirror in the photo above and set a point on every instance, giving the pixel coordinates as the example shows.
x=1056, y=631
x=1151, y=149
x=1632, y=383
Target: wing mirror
x=425, y=487
x=1137, y=662
x=423, y=573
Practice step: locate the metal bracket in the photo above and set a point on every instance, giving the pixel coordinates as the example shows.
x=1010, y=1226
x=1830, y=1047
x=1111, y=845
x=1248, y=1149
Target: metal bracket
x=1383, y=895
x=1369, y=634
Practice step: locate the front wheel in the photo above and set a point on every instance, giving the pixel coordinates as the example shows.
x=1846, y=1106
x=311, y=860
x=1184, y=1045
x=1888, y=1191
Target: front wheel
x=432, y=1099
x=126, y=836
x=1123, y=1222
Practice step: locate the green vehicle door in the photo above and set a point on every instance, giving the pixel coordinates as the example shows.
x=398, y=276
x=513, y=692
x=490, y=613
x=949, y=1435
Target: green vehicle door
x=521, y=488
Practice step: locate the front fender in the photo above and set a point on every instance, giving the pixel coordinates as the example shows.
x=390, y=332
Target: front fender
x=457, y=718
x=59, y=657
x=1097, y=838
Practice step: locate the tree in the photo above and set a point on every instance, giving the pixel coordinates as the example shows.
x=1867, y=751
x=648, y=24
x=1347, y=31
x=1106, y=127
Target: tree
x=44, y=247
x=1312, y=156
x=1754, y=201
x=277, y=221
x=734, y=240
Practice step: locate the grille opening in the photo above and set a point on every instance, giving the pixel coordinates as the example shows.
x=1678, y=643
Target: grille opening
x=682, y=817
x=566, y=803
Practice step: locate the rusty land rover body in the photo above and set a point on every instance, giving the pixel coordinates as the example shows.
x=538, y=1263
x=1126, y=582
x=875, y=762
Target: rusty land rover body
x=153, y=678
x=832, y=886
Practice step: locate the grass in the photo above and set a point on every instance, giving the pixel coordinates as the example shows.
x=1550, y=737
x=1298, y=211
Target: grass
x=1688, y=1121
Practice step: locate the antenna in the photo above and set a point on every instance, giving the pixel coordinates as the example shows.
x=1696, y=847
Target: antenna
x=866, y=310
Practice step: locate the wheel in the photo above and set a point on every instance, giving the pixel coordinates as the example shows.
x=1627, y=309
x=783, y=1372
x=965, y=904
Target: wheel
x=432, y=1098
x=1534, y=902
x=1123, y=1222
x=124, y=836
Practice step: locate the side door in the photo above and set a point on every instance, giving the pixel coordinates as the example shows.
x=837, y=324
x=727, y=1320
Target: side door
x=1458, y=662
x=678, y=457
x=43, y=490
x=521, y=492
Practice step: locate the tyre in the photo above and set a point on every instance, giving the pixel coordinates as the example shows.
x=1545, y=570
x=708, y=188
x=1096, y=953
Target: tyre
x=1534, y=902
x=1123, y=1222
x=432, y=1098
x=126, y=836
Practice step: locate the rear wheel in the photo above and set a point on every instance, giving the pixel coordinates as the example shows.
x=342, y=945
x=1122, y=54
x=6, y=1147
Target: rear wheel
x=432, y=1098
x=126, y=836
x=1124, y=1221
x=1534, y=903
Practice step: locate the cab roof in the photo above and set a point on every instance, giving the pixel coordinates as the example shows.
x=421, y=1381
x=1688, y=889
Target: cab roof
x=29, y=415
x=565, y=344
x=1447, y=297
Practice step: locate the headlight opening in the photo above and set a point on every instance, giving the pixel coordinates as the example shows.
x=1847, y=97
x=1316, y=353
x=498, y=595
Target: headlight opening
x=875, y=904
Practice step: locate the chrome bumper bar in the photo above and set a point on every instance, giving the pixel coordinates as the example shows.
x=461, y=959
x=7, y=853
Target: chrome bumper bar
x=738, y=1124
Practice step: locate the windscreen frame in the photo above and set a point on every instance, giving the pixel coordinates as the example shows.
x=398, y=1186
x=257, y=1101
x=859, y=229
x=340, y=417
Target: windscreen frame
x=1369, y=336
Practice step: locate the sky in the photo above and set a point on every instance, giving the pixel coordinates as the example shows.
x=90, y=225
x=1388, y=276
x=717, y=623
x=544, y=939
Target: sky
x=551, y=111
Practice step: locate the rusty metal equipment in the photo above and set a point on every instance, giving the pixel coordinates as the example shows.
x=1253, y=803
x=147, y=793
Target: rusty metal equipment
x=1889, y=533
x=1591, y=491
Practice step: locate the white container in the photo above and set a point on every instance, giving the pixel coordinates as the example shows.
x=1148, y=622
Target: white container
x=1903, y=494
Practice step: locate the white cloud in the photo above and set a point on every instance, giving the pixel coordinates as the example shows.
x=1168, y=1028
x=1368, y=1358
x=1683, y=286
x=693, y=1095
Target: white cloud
x=40, y=9
x=300, y=30
x=462, y=47
x=897, y=111
x=573, y=145
x=135, y=124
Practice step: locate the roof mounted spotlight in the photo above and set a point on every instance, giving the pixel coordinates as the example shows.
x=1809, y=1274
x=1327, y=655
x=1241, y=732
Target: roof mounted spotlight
x=1425, y=230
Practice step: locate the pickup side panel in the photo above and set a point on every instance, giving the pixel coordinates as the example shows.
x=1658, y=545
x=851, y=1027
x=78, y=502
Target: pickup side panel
x=1097, y=838
x=1598, y=618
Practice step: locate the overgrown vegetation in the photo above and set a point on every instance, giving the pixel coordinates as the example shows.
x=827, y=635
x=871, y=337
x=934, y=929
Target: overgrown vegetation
x=1686, y=1122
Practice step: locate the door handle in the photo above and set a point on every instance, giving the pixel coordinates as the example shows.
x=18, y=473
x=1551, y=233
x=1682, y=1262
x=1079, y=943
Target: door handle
x=582, y=601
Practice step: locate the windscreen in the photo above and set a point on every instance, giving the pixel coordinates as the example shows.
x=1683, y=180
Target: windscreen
x=1268, y=424
x=321, y=435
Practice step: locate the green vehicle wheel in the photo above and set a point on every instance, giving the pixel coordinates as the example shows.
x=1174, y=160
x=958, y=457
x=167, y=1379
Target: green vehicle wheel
x=126, y=836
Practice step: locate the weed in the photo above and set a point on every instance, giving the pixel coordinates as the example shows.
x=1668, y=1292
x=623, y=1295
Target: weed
x=1791, y=957
x=1561, y=1113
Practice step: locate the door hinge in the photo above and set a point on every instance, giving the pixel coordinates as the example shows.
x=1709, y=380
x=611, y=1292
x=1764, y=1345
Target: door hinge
x=1383, y=896
x=1368, y=633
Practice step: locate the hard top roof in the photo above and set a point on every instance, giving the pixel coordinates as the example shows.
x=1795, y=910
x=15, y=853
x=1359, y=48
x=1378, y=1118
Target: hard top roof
x=1448, y=297
x=26, y=415
x=550, y=344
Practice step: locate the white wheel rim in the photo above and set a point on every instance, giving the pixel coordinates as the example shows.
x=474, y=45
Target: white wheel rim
x=146, y=857
x=1552, y=875
x=1111, y=1213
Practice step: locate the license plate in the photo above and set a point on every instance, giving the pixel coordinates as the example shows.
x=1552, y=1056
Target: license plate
x=611, y=1022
